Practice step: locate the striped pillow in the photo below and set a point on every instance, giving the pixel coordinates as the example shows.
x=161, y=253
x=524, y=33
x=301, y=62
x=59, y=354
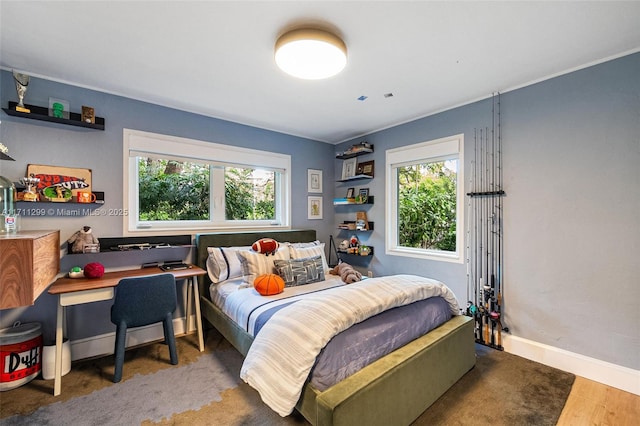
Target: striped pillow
x=255, y=264
x=300, y=271
x=223, y=263
x=310, y=250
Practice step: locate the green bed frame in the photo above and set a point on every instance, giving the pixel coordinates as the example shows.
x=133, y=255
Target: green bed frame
x=393, y=390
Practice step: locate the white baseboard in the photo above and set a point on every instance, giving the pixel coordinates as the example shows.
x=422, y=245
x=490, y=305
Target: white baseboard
x=104, y=344
x=604, y=372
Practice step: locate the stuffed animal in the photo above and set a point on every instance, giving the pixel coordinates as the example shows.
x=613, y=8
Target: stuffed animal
x=266, y=246
x=346, y=272
x=82, y=238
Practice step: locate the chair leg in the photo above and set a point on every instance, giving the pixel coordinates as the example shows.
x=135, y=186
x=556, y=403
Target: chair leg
x=170, y=338
x=121, y=339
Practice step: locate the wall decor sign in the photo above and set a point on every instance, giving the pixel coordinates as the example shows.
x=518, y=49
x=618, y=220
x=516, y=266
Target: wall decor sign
x=314, y=208
x=314, y=181
x=56, y=180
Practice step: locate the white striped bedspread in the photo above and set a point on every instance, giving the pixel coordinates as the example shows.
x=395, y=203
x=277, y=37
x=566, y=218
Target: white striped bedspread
x=283, y=353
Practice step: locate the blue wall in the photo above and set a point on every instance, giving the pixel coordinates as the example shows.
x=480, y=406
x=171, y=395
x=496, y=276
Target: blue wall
x=37, y=142
x=572, y=230
x=571, y=155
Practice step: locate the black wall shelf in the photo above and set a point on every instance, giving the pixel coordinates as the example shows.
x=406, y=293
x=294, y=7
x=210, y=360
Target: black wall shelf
x=353, y=222
x=165, y=243
x=357, y=255
x=369, y=202
x=356, y=177
x=42, y=114
x=347, y=155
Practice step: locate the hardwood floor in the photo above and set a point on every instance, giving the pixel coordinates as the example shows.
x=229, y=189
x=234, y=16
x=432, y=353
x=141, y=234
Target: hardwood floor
x=592, y=403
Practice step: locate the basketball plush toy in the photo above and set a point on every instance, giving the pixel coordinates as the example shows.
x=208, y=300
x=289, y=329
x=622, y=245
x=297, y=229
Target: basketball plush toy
x=269, y=284
x=266, y=246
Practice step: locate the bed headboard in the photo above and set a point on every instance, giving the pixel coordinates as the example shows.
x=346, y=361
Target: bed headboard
x=230, y=239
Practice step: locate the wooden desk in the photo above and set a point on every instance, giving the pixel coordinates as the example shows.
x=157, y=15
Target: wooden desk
x=75, y=291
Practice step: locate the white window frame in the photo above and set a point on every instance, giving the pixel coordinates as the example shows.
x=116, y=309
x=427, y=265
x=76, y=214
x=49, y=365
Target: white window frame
x=138, y=143
x=451, y=147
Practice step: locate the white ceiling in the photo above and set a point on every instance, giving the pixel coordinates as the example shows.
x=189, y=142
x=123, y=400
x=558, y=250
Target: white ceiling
x=216, y=58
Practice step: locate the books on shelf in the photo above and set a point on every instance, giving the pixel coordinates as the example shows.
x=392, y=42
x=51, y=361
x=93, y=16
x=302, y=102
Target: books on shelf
x=338, y=201
x=354, y=150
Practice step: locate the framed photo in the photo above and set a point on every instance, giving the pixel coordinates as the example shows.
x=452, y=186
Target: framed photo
x=351, y=192
x=314, y=208
x=314, y=180
x=365, y=168
x=58, y=108
x=364, y=195
x=88, y=115
x=349, y=168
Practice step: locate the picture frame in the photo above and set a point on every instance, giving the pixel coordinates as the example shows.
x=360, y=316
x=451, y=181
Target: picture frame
x=58, y=108
x=349, y=168
x=351, y=192
x=314, y=181
x=365, y=168
x=363, y=193
x=88, y=115
x=314, y=208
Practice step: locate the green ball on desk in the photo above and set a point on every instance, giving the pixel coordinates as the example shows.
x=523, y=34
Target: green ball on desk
x=76, y=269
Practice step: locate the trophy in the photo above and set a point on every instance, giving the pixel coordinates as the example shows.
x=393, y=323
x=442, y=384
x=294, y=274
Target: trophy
x=22, y=82
x=30, y=193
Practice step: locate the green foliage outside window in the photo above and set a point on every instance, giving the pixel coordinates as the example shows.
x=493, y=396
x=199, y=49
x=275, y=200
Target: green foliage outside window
x=178, y=190
x=248, y=197
x=427, y=206
x=173, y=190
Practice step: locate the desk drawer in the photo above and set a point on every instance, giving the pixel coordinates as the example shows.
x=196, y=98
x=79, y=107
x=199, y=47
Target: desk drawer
x=86, y=296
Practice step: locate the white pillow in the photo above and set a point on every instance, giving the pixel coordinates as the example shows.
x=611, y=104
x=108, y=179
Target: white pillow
x=304, y=250
x=255, y=264
x=304, y=245
x=223, y=263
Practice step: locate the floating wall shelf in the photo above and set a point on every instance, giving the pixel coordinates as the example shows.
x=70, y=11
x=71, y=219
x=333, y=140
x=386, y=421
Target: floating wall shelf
x=356, y=177
x=360, y=151
x=346, y=202
x=42, y=114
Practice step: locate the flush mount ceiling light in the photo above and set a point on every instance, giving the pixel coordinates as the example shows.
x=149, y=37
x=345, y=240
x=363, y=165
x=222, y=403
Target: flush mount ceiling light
x=310, y=54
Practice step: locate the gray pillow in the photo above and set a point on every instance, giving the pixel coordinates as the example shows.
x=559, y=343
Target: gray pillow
x=300, y=271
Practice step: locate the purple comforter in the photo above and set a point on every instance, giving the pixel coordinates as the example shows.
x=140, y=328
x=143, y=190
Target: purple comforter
x=363, y=343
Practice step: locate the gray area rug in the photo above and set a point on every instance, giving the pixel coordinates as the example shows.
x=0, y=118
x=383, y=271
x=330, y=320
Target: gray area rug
x=205, y=389
x=144, y=397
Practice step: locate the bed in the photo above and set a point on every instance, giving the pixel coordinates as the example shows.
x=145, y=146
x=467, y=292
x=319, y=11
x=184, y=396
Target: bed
x=394, y=389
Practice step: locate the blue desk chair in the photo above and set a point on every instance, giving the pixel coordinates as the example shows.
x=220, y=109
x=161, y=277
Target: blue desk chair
x=143, y=301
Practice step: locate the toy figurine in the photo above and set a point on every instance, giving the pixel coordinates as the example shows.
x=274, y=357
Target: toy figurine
x=353, y=245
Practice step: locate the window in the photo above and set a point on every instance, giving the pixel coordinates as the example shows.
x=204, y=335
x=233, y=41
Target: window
x=425, y=199
x=182, y=184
